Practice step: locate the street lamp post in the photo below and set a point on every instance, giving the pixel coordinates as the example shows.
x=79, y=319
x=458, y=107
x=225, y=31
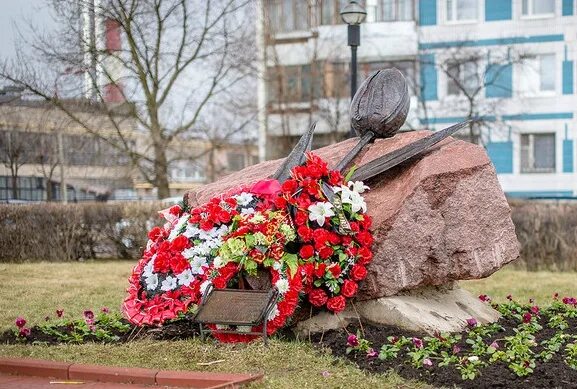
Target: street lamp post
x=353, y=14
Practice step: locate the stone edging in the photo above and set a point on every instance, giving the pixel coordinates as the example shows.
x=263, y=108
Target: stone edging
x=76, y=371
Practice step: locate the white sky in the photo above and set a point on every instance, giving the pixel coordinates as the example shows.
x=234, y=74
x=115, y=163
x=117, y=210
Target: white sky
x=16, y=14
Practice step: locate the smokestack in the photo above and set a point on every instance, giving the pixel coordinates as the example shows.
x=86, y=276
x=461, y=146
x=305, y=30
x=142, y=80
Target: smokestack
x=113, y=91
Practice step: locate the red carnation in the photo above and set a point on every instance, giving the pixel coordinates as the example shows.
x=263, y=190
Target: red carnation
x=290, y=186
x=358, y=272
x=365, y=238
x=179, y=264
x=175, y=210
x=276, y=251
x=162, y=263
x=335, y=177
x=336, y=304
x=320, y=270
x=366, y=222
x=306, y=251
x=155, y=233
x=318, y=297
x=349, y=288
x=305, y=233
x=335, y=270
x=326, y=252
x=333, y=238
x=301, y=218
x=257, y=256
x=365, y=255
x=179, y=243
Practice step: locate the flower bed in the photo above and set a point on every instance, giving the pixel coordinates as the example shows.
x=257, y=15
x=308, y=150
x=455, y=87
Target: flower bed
x=530, y=347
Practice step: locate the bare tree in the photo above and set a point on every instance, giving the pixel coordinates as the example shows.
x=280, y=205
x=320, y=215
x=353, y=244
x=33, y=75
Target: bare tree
x=169, y=58
x=468, y=76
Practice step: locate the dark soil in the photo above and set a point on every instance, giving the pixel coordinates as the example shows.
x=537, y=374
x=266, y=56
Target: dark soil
x=178, y=329
x=552, y=374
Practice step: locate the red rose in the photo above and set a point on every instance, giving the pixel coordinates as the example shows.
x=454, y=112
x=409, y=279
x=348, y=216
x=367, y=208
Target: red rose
x=326, y=252
x=306, y=251
x=335, y=270
x=318, y=297
x=305, y=233
x=179, y=243
x=155, y=233
x=358, y=272
x=365, y=238
x=349, y=288
x=365, y=255
x=320, y=270
x=336, y=304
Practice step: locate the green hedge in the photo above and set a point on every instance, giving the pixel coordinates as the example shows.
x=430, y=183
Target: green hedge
x=67, y=232
x=547, y=232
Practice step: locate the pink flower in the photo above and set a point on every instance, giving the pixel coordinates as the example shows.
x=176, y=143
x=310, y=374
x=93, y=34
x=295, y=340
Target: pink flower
x=484, y=298
x=456, y=349
x=570, y=300
x=472, y=322
x=427, y=362
x=20, y=322
x=88, y=315
x=535, y=310
x=371, y=353
x=326, y=374
x=59, y=312
x=527, y=317
x=394, y=339
x=418, y=343
x=495, y=345
x=24, y=332
x=352, y=340
x=105, y=310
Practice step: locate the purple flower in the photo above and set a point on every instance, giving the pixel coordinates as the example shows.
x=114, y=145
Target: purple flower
x=59, y=312
x=91, y=327
x=570, y=300
x=352, y=340
x=20, y=322
x=472, y=322
x=24, y=332
x=371, y=353
x=427, y=362
x=325, y=374
x=535, y=310
x=495, y=345
x=418, y=343
x=484, y=298
x=105, y=310
x=456, y=349
x=527, y=317
x=88, y=315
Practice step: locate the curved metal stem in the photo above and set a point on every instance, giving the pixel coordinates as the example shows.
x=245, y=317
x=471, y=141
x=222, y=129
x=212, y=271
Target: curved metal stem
x=365, y=139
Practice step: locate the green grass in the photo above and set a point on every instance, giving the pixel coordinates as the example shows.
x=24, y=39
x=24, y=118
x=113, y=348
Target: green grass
x=37, y=290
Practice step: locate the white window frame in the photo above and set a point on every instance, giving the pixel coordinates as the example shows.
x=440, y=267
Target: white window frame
x=454, y=12
x=448, y=80
x=531, y=153
x=531, y=15
x=521, y=69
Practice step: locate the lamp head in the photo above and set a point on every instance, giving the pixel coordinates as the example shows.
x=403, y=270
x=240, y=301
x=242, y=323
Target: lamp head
x=353, y=13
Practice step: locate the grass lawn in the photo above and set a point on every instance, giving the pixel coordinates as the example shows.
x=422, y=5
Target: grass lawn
x=37, y=290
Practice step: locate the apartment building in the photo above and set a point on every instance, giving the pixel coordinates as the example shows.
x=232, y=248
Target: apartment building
x=508, y=63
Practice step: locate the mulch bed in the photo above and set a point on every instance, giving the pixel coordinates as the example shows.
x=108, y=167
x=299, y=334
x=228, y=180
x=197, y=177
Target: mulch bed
x=553, y=374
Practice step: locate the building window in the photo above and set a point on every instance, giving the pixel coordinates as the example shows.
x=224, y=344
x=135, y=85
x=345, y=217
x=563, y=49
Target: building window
x=390, y=11
x=537, y=153
x=300, y=83
x=462, y=77
x=462, y=10
x=538, y=7
x=329, y=11
x=405, y=67
x=288, y=15
x=538, y=75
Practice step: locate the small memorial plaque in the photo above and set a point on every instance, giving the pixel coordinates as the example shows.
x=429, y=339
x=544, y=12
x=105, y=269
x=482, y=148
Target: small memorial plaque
x=235, y=307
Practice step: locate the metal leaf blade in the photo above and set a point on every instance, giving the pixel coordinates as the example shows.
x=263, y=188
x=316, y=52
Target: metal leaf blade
x=296, y=156
x=388, y=161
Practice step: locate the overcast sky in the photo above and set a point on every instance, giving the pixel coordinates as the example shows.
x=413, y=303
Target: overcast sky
x=16, y=14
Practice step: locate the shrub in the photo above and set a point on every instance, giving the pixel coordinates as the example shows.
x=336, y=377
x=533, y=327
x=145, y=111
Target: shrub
x=65, y=232
x=547, y=232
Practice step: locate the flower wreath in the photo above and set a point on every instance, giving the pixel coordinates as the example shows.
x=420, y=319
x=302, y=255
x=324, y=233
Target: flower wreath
x=309, y=234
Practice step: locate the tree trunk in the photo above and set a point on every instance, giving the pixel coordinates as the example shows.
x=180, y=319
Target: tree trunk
x=161, y=171
x=15, y=186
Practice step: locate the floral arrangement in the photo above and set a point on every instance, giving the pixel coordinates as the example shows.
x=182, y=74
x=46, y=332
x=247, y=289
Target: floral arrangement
x=311, y=234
